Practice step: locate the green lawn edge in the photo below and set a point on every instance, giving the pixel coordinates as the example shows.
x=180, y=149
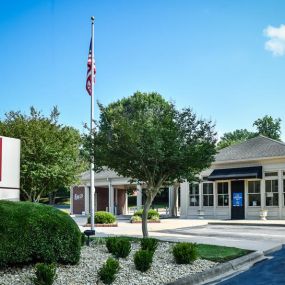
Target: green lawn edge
x=210, y=252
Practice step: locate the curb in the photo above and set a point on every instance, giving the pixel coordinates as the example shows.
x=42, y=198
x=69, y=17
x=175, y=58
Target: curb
x=224, y=268
x=246, y=224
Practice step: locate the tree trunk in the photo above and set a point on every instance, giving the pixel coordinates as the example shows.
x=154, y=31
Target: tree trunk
x=146, y=207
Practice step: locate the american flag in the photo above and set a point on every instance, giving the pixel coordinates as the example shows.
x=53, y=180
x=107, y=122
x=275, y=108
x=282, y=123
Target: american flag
x=89, y=73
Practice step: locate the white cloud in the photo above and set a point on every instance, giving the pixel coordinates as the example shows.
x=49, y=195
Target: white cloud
x=276, y=42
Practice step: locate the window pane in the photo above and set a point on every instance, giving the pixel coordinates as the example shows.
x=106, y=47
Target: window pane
x=194, y=200
x=272, y=173
x=226, y=200
x=268, y=185
x=205, y=200
x=274, y=185
x=254, y=200
x=253, y=186
x=275, y=199
x=220, y=200
x=211, y=200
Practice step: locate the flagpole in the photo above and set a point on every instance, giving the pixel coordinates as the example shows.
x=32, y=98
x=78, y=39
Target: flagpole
x=92, y=127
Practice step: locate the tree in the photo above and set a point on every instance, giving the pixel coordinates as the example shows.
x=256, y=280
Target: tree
x=235, y=137
x=269, y=127
x=146, y=138
x=49, y=152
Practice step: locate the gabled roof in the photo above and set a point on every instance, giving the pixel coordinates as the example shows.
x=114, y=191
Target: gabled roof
x=106, y=173
x=259, y=147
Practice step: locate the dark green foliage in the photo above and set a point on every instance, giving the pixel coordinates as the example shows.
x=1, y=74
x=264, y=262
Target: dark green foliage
x=149, y=244
x=83, y=239
x=45, y=274
x=108, y=271
x=185, y=253
x=102, y=217
x=151, y=214
x=111, y=244
x=32, y=232
x=143, y=260
x=122, y=248
x=119, y=247
x=147, y=138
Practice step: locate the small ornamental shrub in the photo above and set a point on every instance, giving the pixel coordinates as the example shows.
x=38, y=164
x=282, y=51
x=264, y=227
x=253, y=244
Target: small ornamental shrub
x=151, y=215
x=111, y=244
x=185, y=253
x=122, y=248
x=136, y=219
x=143, y=260
x=108, y=271
x=149, y=244
x=102, y=217
x=45, y=274
x=33, y=232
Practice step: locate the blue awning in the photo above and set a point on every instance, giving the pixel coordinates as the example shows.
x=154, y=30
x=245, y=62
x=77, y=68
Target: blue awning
x=236, y=173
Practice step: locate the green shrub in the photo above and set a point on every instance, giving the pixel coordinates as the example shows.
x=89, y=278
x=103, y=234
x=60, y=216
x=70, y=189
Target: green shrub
x=149, y=244
x=143, y=260
x=45, y=274
x=136, y=219
x=122, y=248
x=111, y=244
x=102, y=217
x=83, y=239
x=151, y=215
x=185, y=253
x=119, y=247
x=32, y=232
x=108, y=271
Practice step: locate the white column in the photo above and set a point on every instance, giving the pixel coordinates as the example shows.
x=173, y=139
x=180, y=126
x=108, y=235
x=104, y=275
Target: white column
x=215, y=192
x=184, y=198
x=126, y=208
x=139, y=196
x=171, y=200
x=245, y=198
x=280, y=192
x=200, y=196
x=175, y=200
x=111, y=197
x=262, y=194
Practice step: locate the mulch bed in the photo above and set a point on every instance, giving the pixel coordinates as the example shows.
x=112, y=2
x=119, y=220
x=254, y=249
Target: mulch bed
x=102, y=225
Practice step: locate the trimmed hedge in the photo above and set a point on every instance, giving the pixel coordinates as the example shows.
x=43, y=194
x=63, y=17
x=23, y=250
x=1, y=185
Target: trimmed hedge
x=143, y=260
x=102, y=217
x=31, y=232
x=151, y=215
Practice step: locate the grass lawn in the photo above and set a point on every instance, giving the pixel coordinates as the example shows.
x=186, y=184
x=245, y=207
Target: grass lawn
x=205, y=251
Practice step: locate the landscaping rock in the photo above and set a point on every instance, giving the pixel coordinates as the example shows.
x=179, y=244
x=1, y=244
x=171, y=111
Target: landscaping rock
x=163, y=269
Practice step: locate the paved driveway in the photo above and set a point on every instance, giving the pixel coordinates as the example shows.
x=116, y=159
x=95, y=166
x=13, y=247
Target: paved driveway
x=268, y=272
x=249, y=237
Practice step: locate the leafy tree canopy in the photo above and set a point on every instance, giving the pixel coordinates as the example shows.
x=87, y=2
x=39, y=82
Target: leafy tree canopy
x=146, y=138
x=235, y=137
x=266, y=126
x=49, y=151
x=269, y=127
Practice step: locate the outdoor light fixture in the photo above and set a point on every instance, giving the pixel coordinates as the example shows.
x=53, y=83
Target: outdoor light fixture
x=89, y=233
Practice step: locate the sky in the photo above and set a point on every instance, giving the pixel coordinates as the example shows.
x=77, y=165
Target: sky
x=224, y=59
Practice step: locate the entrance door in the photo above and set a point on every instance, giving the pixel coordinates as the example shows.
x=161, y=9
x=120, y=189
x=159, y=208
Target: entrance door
x=237, y=188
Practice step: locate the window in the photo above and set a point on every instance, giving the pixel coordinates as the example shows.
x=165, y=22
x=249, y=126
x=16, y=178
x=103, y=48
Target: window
x=271, y=192
x=223, y=194
x=208, y=194
x=271, y=174
x=194, y=194
x=254, y=197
